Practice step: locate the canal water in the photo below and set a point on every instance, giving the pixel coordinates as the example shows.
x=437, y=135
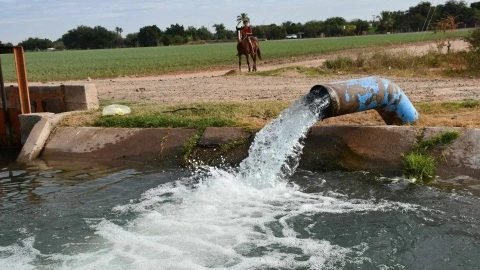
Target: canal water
x=263, y=214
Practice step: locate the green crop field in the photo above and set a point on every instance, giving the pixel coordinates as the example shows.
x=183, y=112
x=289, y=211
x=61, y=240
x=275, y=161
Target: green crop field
x=71, y=65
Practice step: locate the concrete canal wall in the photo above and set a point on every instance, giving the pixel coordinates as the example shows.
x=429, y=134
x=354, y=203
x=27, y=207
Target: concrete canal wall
x=371, y=148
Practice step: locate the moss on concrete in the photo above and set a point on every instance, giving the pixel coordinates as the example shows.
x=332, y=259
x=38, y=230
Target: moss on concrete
x=190, y=145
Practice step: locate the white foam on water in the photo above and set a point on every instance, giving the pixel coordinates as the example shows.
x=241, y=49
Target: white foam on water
x=19, y=255
x=221, y=222
x=241, y=219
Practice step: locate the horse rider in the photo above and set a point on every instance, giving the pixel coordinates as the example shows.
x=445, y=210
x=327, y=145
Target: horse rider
x=246, y=31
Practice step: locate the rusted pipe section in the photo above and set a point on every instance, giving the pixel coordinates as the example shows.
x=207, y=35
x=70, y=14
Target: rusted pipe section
x=365, y=94
x=22, y=79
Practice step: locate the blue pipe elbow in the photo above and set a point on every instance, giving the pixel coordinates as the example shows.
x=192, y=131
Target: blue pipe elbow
x=366, y=94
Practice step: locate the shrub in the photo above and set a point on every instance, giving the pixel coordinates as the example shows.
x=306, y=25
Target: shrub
x=473, y=61
x=340, y=63
x=474, y=40
x=177, y=40
x=382, y=61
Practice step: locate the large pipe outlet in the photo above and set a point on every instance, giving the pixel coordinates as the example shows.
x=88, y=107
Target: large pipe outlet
x=365, y=94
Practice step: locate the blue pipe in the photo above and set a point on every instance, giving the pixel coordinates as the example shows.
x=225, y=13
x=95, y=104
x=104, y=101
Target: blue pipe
x=365, y=94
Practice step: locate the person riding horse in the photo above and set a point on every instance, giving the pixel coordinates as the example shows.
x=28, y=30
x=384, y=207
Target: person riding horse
x=246, y=31
x=247, y=45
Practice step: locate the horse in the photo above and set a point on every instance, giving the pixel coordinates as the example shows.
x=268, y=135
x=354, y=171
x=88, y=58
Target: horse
x=244, y=48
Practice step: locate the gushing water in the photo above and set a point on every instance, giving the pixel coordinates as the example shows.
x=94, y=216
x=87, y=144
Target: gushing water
x=275, y=153
x=240, y=219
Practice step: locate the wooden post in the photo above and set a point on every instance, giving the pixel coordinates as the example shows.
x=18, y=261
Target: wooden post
x=3, y=93
x=22, y=79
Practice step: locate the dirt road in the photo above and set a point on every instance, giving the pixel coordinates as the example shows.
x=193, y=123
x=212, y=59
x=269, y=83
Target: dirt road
x=212, y=85
x=247, y=88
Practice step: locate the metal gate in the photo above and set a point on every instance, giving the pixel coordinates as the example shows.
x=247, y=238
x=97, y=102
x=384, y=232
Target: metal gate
x=13, y=104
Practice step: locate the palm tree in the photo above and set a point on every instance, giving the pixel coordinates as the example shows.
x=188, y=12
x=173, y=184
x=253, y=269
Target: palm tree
x=242, y=17
x=119, y=31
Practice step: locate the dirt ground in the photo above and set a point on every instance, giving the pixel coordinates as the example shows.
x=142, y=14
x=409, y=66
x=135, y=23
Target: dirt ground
x=252, y=88
x=213, y=85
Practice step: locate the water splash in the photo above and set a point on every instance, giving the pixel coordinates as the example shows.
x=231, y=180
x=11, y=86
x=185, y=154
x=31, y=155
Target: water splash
x=242, y=219
x=276, y=150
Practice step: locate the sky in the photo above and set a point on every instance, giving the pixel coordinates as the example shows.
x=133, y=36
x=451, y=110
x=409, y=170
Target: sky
x=20, y=19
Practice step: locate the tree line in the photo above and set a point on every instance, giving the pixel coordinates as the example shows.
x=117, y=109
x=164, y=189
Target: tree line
x=421, y=17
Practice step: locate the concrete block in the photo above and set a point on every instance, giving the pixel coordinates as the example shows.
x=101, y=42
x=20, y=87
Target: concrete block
x=81, y=97
x=28, y=121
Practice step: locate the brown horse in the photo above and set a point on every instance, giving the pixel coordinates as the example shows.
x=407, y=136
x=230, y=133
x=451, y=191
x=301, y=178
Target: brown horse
x=244, y=47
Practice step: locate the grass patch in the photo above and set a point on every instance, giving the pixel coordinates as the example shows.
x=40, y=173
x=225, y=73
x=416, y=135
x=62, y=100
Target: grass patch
x=465, y=104
x=419, y=165
x=196, y=115
x=152, y=121
x=109, y=63
x=307, y=71
x=444, y=138
x=268, y=73
x=449, y=106
x=253, y=115
x=310, y=71
x=342, y=63
x=190, y=145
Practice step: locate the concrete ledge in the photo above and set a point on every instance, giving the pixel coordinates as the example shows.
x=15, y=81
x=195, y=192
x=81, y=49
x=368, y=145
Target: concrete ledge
x=224, y=145
x=159, y=145
x=462, y=157
x=28, y=121
x=371, y=148
x=43, y=124
x=216, y=136
x=36, y=140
